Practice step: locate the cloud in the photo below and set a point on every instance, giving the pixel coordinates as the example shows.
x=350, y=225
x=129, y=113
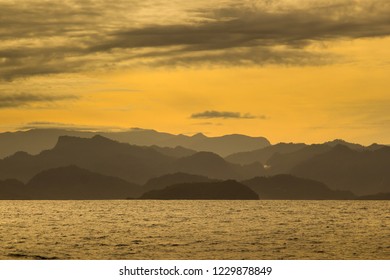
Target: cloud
x=26, y=99
x=69, y=126
x=74, y=36
x=237, y=34
x=223, y=115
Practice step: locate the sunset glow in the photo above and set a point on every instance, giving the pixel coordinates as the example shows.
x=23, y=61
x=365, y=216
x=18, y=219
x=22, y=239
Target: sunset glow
x=288, y=70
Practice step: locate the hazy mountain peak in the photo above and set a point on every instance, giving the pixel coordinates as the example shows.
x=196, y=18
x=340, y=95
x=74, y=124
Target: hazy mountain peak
x=237, y=135
x=141, y=129
x=21, y=155
x=336, y=142
x=65, y=140
x=99, y=138
x=199, y=136
x=376, y=146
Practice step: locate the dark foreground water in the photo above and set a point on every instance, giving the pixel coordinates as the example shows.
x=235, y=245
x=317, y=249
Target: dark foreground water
x=194, y=229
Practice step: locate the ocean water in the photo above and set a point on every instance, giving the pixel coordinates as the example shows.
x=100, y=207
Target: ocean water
x=132, y=229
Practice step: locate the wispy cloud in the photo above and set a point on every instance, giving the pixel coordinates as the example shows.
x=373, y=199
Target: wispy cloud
x=26, y=99
x=74, y=36
x=69, y=126
x=223, y=115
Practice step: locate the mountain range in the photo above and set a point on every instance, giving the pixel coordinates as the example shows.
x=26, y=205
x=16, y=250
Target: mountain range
x=340, y=165
x=34, y=141
x=363, y=172
x=97, y=167
x=133, y=163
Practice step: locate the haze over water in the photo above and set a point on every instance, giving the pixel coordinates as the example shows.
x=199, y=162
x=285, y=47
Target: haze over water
x=194, y=229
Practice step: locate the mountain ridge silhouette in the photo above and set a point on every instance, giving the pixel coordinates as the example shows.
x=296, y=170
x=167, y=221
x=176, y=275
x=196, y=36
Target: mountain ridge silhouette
x=35, y=141
x=339, y=165
x=132, y=163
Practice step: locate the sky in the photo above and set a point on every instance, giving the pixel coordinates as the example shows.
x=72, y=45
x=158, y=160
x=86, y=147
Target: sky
x=288, y=70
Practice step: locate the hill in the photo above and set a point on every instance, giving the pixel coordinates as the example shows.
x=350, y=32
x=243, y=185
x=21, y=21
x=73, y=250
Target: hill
x=11, y=189
x=227, y=190
x=72, y=182
x=173, y=179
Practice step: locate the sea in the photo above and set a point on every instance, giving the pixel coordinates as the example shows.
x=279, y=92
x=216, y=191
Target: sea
x=194, y=230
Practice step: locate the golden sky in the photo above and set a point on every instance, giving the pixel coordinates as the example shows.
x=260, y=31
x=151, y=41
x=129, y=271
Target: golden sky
x=300, y=71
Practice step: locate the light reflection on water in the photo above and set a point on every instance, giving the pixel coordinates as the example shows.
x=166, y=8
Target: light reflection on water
x=195, y=229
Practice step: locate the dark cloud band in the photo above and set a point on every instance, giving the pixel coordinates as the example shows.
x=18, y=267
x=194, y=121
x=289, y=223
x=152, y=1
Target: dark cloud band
x=83, y=35
x=26, y=99
x=68, y=126
x=222, y=115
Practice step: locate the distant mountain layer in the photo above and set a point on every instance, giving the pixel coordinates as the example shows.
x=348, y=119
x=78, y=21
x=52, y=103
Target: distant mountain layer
x=291, y=153
x=264, y=154
x=362, y=172
x=176, y=152
x=98, y=154
x=223, y=145
x=213, y=166
x=282, y=163
x=36, y=140
x=132, y=163
x=338, y=164
x=227, y=190
x=294, y=188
